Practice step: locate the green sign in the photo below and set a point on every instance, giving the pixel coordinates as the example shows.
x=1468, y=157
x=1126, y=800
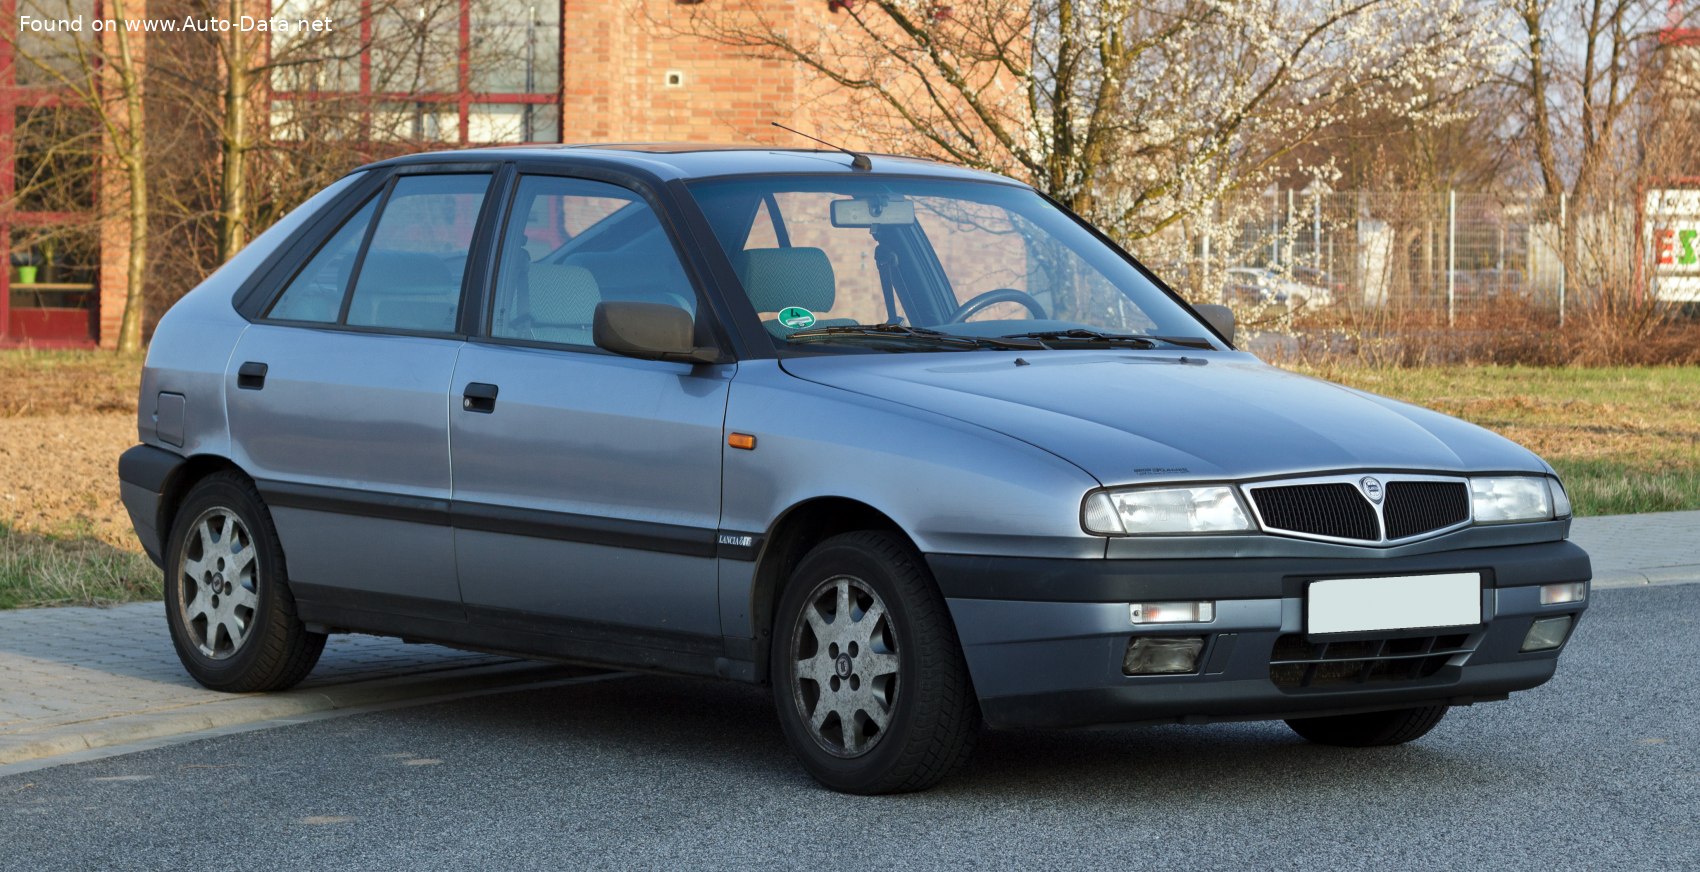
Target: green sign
x=795, y=318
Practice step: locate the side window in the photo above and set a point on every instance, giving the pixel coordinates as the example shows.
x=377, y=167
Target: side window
x=573, y=243
x=315, y=294
x=411, y=276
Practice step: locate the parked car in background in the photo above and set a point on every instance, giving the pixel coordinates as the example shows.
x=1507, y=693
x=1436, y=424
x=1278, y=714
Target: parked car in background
x=909, y=444
x=1268, y=286
x=1317, y=277
x=1489, y=284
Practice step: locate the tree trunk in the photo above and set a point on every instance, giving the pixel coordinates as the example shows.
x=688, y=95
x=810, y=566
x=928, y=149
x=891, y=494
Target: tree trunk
x=232, y=188
x=132, y=136
x=1546, y=153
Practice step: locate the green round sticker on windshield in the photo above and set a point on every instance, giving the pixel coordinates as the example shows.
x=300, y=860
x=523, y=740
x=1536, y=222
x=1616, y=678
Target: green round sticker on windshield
x=796, y=318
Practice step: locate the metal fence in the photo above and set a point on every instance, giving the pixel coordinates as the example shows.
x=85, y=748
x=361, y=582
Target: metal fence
x=1446, y=253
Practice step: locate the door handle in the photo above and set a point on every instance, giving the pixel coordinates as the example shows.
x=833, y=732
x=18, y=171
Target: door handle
x=251, y=377
x=479, y=397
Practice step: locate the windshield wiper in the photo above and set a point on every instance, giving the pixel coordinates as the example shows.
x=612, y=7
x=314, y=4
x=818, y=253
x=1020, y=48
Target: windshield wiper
x=904, y=331
x=1082, y=334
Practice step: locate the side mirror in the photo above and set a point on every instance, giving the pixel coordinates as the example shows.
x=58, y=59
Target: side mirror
x=649, y=331
x=1216, y=315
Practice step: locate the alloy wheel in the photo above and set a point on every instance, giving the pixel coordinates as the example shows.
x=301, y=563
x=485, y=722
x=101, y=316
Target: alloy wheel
x=218, y=590
x=845, y=680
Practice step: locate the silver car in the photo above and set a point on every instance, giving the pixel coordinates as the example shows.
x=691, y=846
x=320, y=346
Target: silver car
x=909, y=444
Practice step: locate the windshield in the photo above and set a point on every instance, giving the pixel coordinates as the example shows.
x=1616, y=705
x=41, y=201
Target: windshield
x=927, y=262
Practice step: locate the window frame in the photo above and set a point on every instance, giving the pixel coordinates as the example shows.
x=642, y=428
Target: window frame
x=294, y=256
x=462, y=96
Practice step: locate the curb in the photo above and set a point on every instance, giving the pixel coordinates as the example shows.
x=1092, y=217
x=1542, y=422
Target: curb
x=249, y=708
x=1662, y=575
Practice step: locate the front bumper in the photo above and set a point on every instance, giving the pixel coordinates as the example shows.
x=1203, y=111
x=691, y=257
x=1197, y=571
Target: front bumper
x=1044, y=639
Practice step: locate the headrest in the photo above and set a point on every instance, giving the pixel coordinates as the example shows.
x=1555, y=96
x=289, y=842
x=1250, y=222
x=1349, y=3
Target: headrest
x=404, y=272
x=562, y=294
x=776, y=278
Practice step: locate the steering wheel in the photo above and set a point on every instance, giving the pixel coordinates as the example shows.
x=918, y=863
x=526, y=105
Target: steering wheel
x=1001, y=295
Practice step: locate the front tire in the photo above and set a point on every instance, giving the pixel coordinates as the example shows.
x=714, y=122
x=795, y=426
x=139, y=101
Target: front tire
x=868, y=677
x=1370, y=730
x=227, y=602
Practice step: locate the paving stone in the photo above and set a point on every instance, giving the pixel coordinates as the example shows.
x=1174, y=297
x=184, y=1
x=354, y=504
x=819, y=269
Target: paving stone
x=75, y=664
x=65, y=667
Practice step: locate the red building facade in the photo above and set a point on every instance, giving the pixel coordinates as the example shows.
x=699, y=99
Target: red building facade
x=471, y=72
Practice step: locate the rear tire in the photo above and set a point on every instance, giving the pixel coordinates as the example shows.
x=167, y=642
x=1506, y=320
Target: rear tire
x=227, y=602
x=869, y=681
x=1370, y=730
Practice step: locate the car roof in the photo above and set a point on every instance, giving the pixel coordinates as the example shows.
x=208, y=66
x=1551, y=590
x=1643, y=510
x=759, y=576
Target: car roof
x=687, y=161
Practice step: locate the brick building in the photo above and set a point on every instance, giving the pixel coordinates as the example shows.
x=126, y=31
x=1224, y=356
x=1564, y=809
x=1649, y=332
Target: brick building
x=485, y=72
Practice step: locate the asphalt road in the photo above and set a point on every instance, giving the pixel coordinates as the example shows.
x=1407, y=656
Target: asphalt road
x=1598, y=769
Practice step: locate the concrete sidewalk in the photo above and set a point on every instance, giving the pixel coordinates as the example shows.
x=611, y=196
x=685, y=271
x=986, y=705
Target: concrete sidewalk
x=1633, y=550
x=76, y=679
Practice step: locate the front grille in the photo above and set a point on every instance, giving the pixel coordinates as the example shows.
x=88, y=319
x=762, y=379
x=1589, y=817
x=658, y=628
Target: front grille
x=1416, y=507
x=1337, y=510
x=1297, y=663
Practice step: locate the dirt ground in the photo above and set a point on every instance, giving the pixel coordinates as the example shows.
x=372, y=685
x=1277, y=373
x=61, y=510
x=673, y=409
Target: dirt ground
x=59, y=476
x=64, y=419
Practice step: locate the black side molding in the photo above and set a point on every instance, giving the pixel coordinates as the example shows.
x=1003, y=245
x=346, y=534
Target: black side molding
x=618, y=532
x=348, y=501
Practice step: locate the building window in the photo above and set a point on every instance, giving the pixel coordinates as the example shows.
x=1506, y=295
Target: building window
x=461, y=72
x=50, y=143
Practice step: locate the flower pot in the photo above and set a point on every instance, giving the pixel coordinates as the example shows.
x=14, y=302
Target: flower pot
x=24, y=275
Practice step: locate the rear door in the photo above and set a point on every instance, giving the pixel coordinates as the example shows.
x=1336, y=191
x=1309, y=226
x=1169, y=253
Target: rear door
x=338, y=399
x=587, y=485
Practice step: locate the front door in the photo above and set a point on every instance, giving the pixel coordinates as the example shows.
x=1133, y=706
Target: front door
x=586, y=485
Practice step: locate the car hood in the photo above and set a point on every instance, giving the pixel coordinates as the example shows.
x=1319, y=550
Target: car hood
x=1127, y=417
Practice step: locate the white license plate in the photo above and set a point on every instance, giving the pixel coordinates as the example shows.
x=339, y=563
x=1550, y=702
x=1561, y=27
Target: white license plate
x=1407, y=602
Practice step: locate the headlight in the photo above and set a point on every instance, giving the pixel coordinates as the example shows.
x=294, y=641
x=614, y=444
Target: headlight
x=1512, y=498
x=1214, y=509
x=1560, y=499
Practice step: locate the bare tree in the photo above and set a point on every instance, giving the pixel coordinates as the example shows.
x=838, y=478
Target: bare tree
x=295, y=109
x=1581, y=68
x=1135, y=113
x=1596, y=117
x=246, y=62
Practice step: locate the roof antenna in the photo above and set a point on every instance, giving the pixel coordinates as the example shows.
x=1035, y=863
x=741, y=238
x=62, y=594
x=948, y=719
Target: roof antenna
x=858, y=161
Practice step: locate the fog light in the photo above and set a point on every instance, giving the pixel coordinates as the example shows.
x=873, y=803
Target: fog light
x=1162, y=655
x=1568, y=592
x=1172, y=613
x=1545, y=635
